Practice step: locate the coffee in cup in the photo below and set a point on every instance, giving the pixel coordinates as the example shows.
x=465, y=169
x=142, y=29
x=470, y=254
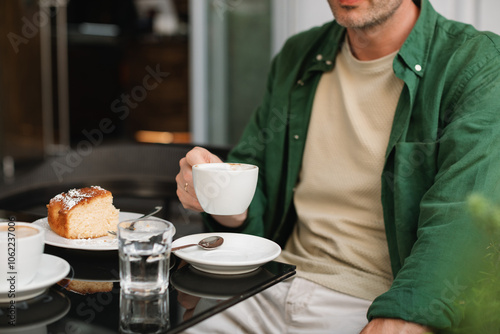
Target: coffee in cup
x=225, y=188
x=21, y=249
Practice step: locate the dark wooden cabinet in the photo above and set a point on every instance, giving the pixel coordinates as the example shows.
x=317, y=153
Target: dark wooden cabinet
x=139, y=85
x=102, y=73
x=166, y=106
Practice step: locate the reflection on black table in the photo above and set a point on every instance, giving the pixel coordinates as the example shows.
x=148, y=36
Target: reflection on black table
x=83, y=303
x=33, y=315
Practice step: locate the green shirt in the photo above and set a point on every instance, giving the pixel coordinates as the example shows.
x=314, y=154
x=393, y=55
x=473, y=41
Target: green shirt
x=444, y=145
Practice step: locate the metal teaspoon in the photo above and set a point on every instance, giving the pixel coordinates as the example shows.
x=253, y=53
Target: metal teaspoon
x=131, y=227
x=209, y=243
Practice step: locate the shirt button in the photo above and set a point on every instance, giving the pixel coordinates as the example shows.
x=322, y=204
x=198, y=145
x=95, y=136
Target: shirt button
x=418, y=68
x=328, y=62
x=300, y=82
x=296, y=136
x=319, y=57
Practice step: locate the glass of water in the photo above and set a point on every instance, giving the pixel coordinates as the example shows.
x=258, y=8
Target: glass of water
x=144, y=250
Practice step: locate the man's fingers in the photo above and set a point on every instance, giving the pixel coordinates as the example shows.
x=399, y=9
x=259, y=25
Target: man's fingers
x=184, y=179
x=185, y=173
x=187, y=200
x=200, y=155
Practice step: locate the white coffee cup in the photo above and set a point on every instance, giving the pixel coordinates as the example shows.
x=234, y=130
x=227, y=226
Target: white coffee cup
x=21, y=249
x=225, y=188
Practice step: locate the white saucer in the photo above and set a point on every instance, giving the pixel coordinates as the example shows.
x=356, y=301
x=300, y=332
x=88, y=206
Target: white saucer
x=98, y=244
x=52, y=270
x=240, y=253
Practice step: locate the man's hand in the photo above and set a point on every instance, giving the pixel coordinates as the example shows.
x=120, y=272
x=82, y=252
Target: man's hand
x=394, y=326
x=185, y=188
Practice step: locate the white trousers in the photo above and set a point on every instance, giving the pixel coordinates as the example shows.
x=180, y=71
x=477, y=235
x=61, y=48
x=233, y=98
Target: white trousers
x=293, y=306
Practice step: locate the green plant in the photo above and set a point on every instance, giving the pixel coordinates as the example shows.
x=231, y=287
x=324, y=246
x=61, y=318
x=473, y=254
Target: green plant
x=482, y=309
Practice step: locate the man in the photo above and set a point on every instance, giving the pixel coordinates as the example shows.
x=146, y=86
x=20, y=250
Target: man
x=374, y=130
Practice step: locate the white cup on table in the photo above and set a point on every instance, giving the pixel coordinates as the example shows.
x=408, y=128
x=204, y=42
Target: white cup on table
x=21, y=249
x=225, y=188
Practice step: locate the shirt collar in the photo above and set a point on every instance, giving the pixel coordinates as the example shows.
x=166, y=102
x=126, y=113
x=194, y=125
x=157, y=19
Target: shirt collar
x=414, y=51
x=322, y=57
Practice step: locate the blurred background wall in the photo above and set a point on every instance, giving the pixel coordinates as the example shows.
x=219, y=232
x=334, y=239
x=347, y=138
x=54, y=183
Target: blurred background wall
x=74, y=72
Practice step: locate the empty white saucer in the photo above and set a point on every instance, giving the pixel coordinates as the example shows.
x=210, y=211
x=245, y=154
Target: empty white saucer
x=240, y=253
x=52, y=270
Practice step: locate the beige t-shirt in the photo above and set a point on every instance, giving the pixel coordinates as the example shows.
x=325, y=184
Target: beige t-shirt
x=339, y=240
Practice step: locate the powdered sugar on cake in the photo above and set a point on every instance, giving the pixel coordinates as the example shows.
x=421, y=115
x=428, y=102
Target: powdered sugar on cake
x=75, y=196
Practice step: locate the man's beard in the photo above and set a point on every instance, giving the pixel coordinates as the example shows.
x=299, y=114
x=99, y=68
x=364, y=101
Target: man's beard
x=367, y=23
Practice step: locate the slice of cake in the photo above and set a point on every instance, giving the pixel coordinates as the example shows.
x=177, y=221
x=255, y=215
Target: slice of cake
x=83, y=213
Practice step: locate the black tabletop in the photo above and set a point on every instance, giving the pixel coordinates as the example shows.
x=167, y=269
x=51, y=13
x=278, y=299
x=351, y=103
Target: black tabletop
x=93, y=306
